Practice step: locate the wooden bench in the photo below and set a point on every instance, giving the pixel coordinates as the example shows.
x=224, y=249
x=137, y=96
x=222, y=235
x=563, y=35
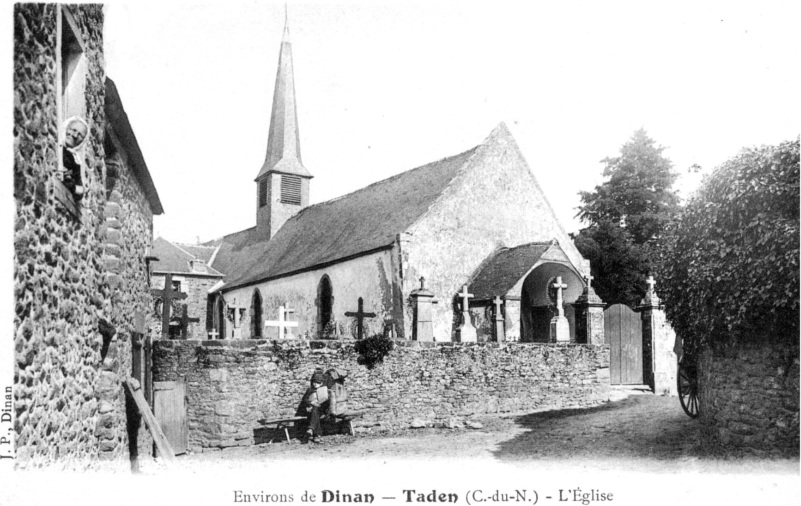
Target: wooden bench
x=282, y=423
x=348, y=418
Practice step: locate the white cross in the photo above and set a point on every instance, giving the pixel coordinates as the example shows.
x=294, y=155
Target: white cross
x=282, y=323
x=498, y=303
x=464, y=296
x=589, y=278
x=213, y=334
x=651, y=283
x=559, y=287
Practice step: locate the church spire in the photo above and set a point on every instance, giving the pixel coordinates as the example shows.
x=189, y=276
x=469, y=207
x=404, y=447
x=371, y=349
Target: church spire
x=283, y=143
x=282, y=186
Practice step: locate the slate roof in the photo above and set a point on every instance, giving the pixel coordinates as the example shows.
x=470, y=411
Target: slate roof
x=360, y=222
x=502, y=271
x=175, y=258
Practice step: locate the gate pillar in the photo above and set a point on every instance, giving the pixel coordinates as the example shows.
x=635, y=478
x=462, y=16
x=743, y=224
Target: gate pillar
x=589, y=316
x=659, y=359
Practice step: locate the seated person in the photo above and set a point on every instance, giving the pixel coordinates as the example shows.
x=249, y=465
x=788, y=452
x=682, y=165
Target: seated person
x=74, y=139
x=314, y=403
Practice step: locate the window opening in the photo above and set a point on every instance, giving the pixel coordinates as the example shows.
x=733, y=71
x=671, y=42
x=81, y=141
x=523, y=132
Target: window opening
x=290, y=189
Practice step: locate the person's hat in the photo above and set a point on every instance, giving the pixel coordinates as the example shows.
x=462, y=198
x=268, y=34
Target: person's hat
x=318, y=377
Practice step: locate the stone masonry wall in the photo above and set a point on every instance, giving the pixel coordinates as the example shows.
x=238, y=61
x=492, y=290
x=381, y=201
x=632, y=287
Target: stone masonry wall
x=232, y=384
x=749, y=397
x=70, y=272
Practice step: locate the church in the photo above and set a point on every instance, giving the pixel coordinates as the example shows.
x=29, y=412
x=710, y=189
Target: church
x=475, y=223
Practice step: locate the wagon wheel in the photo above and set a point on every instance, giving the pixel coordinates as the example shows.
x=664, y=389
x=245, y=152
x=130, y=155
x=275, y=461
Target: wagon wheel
x=688, y=388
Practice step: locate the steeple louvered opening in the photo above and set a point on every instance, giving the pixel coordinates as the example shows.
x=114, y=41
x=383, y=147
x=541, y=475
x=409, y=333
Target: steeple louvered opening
x=290, y=189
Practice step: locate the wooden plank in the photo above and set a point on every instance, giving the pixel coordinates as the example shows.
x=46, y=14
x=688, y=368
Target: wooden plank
x=169, y=407
x=153, y=426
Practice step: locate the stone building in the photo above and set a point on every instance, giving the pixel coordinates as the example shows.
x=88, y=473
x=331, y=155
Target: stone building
x=455, y=222
x=188, y=267
x=83, y=228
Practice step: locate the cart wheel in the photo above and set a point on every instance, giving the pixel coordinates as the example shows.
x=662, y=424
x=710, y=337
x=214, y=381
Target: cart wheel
x=688, y=389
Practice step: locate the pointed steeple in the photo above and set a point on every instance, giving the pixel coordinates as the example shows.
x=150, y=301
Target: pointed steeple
x=283, y=143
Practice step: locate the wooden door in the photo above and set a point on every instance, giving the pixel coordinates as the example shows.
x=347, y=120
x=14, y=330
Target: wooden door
x=169, y=407
x=623, y=333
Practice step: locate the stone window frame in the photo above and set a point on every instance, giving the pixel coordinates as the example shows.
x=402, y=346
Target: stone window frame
x=64, y=16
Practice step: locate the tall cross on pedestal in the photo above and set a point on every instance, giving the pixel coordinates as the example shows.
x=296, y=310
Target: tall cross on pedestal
x=360, y=315
x=282, y=323
x=498, y=327
x=186, y=320
x=559, y=300
x=167, y=295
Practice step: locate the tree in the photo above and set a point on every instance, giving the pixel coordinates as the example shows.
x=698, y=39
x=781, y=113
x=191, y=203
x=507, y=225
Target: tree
x=627, y=216
x=732, y=260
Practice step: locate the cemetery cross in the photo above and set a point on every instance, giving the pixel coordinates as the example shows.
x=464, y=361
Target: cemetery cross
x=282, y=323
x=186, y=320
x=559, y=287
x=167, y=295
x=360, y=315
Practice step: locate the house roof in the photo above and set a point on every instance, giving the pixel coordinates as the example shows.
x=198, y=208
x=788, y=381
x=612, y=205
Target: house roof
x=118, y=119
x=360, y=222
x=175, y=258
x=499, y=274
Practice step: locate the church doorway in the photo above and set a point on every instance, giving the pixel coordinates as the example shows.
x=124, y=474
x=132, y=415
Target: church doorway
x=325, y=305
x=537, y=302
x=256, y=312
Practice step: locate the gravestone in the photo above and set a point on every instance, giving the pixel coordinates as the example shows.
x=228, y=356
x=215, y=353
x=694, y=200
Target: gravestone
x=467, y=332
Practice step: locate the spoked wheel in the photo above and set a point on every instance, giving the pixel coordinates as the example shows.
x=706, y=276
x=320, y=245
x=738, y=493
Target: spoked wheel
x=688, y=389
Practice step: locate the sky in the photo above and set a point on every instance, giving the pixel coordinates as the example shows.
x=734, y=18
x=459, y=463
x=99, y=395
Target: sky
x=386, y=87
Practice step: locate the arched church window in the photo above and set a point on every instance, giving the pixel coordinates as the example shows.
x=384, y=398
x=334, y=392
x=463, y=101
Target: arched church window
x=325, y=304
x=256, y=320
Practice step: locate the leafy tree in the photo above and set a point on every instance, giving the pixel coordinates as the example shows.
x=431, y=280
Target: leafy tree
x=732, y=261
x=626, y=217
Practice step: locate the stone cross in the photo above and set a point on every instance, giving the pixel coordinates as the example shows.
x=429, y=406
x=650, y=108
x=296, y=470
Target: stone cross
x=467, y=332
x=499, y=330
x=282, y=323
x=237, y=313
x=360, y=315
x=651, y=282
x=589, y=278
x=213, y=334
x=559, y=301
x=167, y=295
x=186, y=320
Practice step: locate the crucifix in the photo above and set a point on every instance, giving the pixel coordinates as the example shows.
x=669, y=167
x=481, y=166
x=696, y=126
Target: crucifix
x=167, y=295
x=559, y=301
x=560, y=328
x=186, y=320
x=467, y=333
x=588, y=278
x=235, y=314
x=282, y=323
x=360, y=315
x=213, y=334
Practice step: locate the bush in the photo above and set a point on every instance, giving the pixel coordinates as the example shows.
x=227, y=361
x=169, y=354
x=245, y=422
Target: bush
x=732, y=257
x=373, y=350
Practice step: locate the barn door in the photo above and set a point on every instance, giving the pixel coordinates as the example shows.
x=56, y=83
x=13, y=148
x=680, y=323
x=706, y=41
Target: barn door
x=169, y=407
x=623, y=333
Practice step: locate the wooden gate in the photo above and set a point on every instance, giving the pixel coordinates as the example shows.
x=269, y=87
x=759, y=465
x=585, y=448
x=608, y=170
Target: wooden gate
x=169, y=407
x=623, y=333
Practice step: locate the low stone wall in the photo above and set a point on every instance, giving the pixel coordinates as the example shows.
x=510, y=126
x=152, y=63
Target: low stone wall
x=749, y=396
x=232, y=384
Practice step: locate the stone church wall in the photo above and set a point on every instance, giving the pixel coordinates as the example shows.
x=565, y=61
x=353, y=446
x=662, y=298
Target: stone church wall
x=232, y=384
x=369, y=277
x=70, y=273
x=494, y=203
x=749, y=395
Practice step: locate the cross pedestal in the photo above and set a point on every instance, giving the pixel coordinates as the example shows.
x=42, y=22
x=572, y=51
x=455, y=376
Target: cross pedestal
x=560, y=328
x=360, y=315
x=282, y=323
x=423, y=325
x=467, y=332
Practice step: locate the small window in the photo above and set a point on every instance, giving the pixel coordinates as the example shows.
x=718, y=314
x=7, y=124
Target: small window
x=263, y=192
x=176, y=285
x=290, y=189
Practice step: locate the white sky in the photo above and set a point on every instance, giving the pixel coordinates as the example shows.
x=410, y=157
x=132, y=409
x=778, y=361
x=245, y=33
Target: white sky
x=383, y=88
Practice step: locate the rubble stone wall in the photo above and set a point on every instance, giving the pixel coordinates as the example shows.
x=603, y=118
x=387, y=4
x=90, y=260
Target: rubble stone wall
x=232, y=384
x=71, y=271
x=749, y=396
